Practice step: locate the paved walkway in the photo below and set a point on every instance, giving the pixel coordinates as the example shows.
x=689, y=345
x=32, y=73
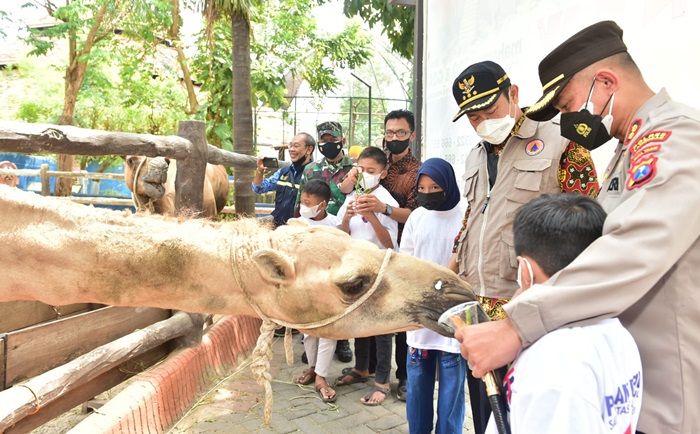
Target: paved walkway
x=235, y=405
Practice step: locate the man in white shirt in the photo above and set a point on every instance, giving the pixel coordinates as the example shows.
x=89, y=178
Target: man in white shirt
x=583, y=379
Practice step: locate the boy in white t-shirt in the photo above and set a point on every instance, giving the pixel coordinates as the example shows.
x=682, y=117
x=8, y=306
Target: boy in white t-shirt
x=429, y=234
x=382, y=231
x=585, y=378
x=315, y=195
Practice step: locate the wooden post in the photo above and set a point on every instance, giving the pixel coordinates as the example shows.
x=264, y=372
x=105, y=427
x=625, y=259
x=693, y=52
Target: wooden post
x=45, y=185
x=23, y=400
x=189, y=181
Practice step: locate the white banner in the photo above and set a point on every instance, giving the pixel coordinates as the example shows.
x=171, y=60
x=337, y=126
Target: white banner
x=663, y=36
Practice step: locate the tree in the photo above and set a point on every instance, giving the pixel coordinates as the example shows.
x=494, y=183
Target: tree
x=86, y=24
x=397, y=21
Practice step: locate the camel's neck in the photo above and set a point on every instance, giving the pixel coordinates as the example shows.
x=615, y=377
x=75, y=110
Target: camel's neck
x=61, y=253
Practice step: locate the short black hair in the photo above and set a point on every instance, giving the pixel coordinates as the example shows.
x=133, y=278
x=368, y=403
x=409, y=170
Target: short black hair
x=319, y=188
x=309, y=140
x=376, y=154
x=553, y=229
x=402, y=114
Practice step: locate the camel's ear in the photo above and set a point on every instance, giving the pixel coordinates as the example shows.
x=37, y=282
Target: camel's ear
x=274, y=267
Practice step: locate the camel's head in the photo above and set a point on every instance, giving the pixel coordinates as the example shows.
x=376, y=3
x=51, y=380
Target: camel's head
x=150, y=175
x=10, y=180
x=318, y=272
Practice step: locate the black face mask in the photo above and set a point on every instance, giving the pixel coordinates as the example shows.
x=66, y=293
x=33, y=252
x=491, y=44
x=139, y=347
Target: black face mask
x=397, y=146
x=585, y=128
x=301, y=162
x=431, y=201
x=330, y=150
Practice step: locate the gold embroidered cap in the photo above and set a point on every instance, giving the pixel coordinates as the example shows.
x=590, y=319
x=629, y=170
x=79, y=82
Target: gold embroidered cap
x=478, y=87
x=594, y=43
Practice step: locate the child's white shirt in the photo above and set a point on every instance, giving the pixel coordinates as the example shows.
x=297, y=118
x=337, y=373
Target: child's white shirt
x=585, y=380
x=329, y=220
x=362, y=230
x=430, y=235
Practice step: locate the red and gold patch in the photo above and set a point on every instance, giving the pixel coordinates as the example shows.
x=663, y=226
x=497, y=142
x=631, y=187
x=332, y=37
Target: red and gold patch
x=632, y=131
x=641, y=171
x=646, y=150
x=652, y=136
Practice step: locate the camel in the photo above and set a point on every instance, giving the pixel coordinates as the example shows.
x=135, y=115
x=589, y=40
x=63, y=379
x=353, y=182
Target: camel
x=10, y=180
x=59, y=252
x=155, y=188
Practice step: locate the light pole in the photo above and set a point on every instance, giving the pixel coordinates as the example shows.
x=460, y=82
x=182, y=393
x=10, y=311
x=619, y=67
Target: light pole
x=369, y=138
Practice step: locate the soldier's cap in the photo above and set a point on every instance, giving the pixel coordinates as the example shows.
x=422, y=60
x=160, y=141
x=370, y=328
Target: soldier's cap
x=330, y=127
x=478, y=87
x=594, y=43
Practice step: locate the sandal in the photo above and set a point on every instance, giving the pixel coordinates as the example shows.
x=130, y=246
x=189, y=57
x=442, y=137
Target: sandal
x=307, y=377
x=354, y=377
x=326, y=393
x=366, y=399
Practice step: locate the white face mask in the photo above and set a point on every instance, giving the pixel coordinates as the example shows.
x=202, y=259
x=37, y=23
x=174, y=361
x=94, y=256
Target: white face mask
x=309, y=212
x=519, y=279
x=496, y=131
x=370, y=181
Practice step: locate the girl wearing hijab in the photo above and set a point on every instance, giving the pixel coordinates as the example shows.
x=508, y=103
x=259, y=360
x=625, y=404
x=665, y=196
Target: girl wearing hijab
x=429, y=234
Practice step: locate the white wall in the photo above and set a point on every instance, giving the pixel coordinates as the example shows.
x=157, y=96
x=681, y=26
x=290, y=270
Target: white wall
x=663, y=36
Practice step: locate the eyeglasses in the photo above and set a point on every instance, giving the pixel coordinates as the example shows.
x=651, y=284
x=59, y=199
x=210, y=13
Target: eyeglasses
x=293, y=145
x=399, y=134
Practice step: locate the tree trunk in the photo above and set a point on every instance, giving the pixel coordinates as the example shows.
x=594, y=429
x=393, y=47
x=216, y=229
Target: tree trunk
x=242, y=112
x=75, y=73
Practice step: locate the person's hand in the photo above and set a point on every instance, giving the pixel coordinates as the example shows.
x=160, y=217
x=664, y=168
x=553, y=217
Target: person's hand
x=350, y=211
x=368, y=203
x=259, y=162
x=489, y=345
x=351, y=178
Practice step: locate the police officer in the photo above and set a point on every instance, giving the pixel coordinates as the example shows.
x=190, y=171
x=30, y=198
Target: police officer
x=646, y=266
x=516, y=160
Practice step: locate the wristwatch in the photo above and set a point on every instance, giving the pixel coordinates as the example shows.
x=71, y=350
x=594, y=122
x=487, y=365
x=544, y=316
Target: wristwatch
x=388, y=210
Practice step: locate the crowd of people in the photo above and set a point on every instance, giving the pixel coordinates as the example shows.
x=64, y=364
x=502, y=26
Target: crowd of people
x=564, y=262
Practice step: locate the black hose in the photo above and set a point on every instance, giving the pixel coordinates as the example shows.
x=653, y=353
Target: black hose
x=499, y=414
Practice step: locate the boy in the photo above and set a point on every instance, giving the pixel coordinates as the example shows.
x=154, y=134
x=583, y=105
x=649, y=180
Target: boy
x=382, y=231
x=582, y=379
x=315, y=196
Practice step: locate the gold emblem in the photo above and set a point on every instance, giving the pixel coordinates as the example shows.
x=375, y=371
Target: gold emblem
x=582, y=129
x=467, y=87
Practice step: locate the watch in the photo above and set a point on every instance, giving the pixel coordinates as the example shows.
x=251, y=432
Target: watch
x=388, y=210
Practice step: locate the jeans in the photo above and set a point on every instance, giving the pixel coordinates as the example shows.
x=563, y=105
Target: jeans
x=384, y=344
x=479, y=400
x=422, y=366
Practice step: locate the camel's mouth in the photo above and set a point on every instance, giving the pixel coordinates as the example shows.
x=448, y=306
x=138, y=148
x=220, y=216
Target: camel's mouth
x=437, y=300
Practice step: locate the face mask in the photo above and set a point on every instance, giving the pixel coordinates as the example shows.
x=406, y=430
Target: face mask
x=330, y=150
x=309, y=212
x=585, y=128
x=397, y=146
x=496, y=131
x=369, y=181
x=432, y=201
x=519, y=279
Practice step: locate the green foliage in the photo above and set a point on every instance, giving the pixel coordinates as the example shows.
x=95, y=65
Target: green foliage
x=286, y=45
x=397, y=21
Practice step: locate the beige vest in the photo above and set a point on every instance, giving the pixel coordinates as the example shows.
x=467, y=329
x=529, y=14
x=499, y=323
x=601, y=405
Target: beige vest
x=528, y=167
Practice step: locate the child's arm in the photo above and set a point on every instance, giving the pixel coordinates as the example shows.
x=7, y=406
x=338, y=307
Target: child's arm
x=346, y=212
x=381, y=232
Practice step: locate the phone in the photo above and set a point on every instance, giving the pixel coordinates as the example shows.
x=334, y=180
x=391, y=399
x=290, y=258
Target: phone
x=270, y=162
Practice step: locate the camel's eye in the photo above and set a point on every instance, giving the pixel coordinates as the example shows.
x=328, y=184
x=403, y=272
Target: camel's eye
x=438, y=285
x=355, y=286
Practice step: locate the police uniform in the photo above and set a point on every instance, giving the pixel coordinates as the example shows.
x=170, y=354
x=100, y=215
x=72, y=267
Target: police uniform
x=646, y=266
x=499, y=179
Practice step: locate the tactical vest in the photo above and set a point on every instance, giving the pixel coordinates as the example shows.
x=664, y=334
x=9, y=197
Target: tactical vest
x=286, y=194
x=527, y=167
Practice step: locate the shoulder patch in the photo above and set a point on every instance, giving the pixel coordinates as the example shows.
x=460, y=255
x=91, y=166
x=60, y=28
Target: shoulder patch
x=632, y=131
x=534, y=147
x=641, y=171
x=652, y=136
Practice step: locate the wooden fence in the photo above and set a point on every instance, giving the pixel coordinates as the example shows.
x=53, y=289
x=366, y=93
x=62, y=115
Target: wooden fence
x=54, y=366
